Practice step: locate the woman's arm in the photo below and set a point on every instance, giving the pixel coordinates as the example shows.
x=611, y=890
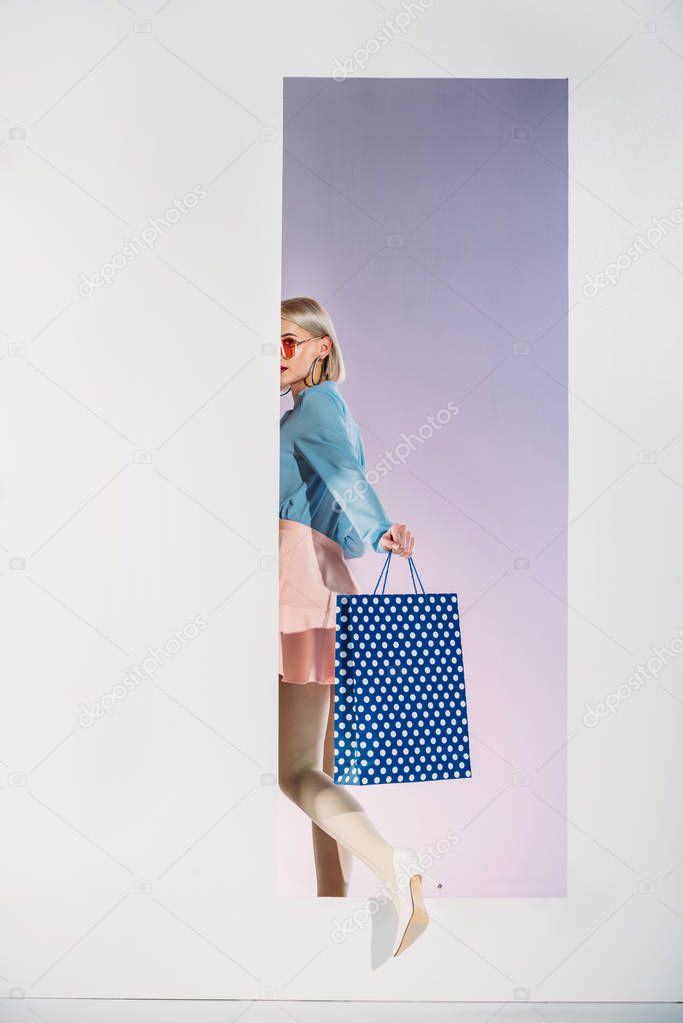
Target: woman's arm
x=325, y=445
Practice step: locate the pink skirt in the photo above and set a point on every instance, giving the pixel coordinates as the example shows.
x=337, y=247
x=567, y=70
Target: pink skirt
x=313, y=571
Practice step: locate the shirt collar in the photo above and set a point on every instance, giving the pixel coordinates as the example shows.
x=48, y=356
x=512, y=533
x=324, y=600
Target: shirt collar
x=331, y=384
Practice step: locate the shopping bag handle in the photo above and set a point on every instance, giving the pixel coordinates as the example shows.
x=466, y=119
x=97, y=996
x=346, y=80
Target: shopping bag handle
x=385, y=573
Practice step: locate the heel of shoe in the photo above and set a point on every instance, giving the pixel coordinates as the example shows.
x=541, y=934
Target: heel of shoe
x=410, y=857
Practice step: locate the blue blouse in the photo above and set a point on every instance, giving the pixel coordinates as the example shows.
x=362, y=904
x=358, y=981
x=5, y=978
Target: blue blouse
x=322, y=472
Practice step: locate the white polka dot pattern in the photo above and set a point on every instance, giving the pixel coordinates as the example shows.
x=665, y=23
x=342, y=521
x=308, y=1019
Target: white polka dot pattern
x=400, y=708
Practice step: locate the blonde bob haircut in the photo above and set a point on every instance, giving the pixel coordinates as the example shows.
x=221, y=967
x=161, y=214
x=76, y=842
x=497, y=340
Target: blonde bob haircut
x=316, y=321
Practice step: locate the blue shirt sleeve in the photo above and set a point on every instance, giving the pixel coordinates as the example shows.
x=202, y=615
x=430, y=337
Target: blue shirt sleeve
x=325, y=444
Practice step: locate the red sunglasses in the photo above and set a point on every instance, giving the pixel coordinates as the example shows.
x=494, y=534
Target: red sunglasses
x=289, y=345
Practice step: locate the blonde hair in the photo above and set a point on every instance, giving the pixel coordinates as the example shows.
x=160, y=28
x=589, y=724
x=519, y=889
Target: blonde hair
x=312, y=317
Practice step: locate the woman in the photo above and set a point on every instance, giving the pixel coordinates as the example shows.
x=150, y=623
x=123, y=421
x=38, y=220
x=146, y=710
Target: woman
x=328, y=513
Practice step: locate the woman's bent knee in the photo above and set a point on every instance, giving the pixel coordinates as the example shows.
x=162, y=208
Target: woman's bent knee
x=291, y=784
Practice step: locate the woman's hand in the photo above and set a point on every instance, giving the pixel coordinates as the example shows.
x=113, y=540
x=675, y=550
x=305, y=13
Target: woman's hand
x=399, y=540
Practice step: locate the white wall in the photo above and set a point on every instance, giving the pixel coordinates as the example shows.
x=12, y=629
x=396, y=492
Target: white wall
x=140, y=851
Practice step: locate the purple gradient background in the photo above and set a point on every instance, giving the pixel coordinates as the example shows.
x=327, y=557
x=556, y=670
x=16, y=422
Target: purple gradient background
x=480, y=265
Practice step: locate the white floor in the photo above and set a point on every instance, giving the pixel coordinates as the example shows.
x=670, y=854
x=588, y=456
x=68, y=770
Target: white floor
x=109, y=1010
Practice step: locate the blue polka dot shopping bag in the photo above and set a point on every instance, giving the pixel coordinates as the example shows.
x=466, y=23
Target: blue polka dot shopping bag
x=400, y=707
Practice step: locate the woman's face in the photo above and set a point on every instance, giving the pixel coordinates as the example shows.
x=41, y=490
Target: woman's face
x=294, y=370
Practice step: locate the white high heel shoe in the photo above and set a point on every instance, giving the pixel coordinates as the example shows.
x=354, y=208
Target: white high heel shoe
x=407, y=889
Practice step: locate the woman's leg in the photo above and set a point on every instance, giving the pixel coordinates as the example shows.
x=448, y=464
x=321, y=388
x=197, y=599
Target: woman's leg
x=333, y=861
x=303, y=719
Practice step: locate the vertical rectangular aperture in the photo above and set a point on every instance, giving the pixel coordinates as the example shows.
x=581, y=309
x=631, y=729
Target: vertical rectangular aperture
x=429, y=216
